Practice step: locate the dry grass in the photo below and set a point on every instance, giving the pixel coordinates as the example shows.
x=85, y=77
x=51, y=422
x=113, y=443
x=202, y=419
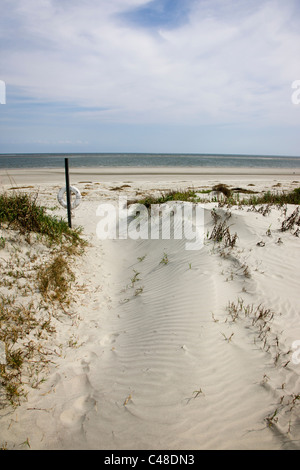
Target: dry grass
x=54, y=279
x=35, y=289
x=22, y=328
x=285, y=414
x=221, y=233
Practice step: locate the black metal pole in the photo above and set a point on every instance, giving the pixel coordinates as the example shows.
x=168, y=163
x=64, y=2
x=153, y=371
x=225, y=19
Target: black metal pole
x=68, y=192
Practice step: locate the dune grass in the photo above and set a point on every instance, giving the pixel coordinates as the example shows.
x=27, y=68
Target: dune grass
x=27, y=321
x=21, y=211
x=230, y=197
x=172, y=195
x=259, y=319
x=269, y=197
x=292, y=197
x=55, y=278
x=22, y=327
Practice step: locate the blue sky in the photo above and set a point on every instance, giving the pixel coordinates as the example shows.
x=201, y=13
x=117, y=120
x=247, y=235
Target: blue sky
x=182, y=76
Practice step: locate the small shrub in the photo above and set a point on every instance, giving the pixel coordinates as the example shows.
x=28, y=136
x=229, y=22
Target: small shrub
x=289, y=222
x=221, y=233
x=222, y=188
x=164, y=259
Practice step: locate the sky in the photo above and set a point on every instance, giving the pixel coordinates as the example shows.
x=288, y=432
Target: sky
x=150, y=76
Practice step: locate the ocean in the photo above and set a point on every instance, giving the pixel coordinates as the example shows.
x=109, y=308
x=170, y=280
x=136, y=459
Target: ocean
x=48, y=160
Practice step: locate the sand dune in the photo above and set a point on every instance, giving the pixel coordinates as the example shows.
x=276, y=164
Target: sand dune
x=160, y=362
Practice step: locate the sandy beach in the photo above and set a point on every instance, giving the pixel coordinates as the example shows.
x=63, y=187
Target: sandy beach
x=169, y=350
x=176, y=174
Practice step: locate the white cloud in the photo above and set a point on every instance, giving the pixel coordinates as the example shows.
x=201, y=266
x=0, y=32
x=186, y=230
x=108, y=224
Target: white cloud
x=233, y=66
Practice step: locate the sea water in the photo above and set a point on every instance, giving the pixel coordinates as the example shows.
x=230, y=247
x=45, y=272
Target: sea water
x=79, y=160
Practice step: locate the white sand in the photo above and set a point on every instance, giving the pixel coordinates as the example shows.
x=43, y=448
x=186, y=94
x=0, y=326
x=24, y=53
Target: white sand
x=182, y=174
x=152, y=368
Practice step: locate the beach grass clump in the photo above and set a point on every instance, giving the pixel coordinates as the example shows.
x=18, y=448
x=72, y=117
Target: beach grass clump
x=291, y=197
x=165, y=259
x=221, y=234
x=187, y=195
x=261, y=320
x=268, y=198
x=22, y=212
x=54, y=279
x=290, y=222
x=24, y=357
x=231, y=197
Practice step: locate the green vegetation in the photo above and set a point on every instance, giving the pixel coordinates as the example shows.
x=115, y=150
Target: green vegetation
x=231, y=197
x=22, y=330
x=292, y=197
x=35, y=289
x=135, y=278
x=279, y=199
x=20, y=211
x=173, y=195
x=164, y=259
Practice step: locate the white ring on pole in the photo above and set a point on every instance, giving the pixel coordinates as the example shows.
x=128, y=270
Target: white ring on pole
x=72, y=190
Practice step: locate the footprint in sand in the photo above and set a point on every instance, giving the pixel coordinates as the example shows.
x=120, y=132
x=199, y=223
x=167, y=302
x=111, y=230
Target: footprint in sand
x=77, y=407
x=85, y=366
x=86, y=361
x=71, y=417
x=84, y=403
x=76, y=414
x=109, y=339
